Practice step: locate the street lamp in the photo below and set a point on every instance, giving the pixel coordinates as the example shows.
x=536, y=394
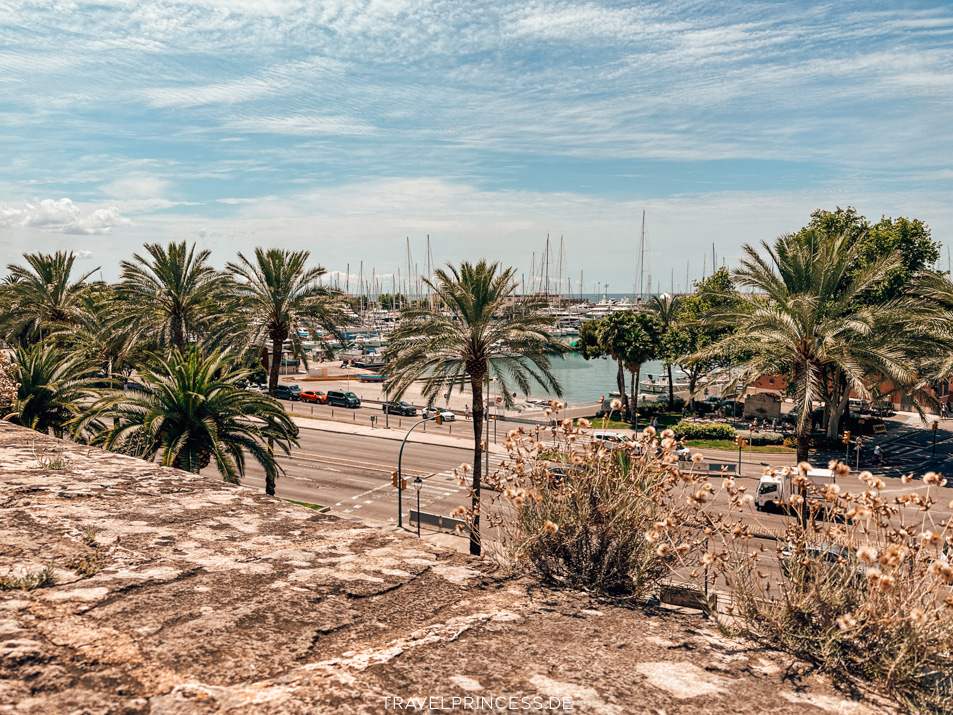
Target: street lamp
x=399, y=476
x=418, y=483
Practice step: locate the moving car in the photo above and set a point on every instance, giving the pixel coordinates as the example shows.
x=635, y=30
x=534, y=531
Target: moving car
x=446, y=414
x=337, y=398
x=612, y=440
x=399, y=408
x=314, y=396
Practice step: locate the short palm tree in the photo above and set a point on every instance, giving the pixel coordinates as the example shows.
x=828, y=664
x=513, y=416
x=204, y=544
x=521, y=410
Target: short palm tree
x=804, y=320
x=169, y=294
x=276, y=292
x=187, y=410
x=41, y=297
x=666, y=308
x=474, y=331
x=53, y=389
x=642, y=345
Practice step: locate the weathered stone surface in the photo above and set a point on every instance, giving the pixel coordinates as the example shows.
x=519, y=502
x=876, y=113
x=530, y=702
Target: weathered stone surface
x=178, y=595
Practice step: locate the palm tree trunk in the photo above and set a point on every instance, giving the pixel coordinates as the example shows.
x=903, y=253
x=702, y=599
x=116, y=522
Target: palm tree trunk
x=270, y=478
x=277, y=341
x=671, y=387
x=476, y=385
x=620, y=383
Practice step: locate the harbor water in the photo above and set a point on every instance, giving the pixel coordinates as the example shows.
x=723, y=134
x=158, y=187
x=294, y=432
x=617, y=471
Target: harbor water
x=584, y=381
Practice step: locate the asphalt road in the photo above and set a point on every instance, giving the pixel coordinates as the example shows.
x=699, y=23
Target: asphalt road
x=351, y=474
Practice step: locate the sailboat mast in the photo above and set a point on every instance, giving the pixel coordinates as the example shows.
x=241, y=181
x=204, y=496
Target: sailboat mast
x=642, y=259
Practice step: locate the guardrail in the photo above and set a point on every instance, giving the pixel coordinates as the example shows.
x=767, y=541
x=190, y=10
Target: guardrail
x=441, y=522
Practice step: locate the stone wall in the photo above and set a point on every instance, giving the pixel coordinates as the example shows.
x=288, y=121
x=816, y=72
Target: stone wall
x=179, y=594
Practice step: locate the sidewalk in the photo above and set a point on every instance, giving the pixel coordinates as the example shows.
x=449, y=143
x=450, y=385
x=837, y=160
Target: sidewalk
x=465, y=441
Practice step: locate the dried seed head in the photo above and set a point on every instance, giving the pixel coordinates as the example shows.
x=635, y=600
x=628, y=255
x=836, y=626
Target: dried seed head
x=803, y=468
x=667, y=433
x=867, y=554
x=846, y=622
x=931, y=478
x=583, y=423
x=550, y=528
x=918, y=617
x=697, y=457
x=616, y=404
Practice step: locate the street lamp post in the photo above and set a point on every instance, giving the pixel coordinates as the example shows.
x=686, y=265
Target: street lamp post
x=400, y=475
x=418, y=483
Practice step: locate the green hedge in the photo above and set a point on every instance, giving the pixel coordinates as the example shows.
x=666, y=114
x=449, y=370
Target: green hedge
x=764, y=437
x=690, y=430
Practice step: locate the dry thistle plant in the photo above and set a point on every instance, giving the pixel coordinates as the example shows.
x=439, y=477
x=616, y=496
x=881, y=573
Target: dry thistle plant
x=577, y=513
x=865, y=590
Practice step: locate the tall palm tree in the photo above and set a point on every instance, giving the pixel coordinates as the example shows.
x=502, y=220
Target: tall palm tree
x=187, y=410
x=53, y=387
x=804, y=320
x=474, y=330
x=169, y=294
x=666, y=308
x=276, y=292
x=41, y=297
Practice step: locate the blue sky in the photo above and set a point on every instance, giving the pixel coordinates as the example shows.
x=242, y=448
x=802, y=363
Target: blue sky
x=345, y=127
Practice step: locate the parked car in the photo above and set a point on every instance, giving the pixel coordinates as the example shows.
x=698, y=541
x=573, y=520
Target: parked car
x=296, y=391
x=314, y=396
x=284, y=392
x=731, y=408
x=882, y=409
x=399, y=408
x=446, y=414
x=710, y=404
x=337, y=398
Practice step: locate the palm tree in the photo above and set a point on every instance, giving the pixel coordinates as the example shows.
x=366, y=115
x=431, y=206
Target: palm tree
x=666, y=308
x=276, y=292
x=41, y=297
x=52, y=389
x=804, y=320
x=474, y=330
x=629, y=339
x=187, y=409
x=169, y=295
x=642, y=345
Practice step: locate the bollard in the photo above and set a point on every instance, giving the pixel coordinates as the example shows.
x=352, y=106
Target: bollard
x=354, y=417
x=450, y=428
x=312, y=409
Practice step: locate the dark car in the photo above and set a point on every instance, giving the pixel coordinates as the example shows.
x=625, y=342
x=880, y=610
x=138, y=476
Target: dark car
x=295, y=391
x=314, y=396
x=285, y=392
x=731, y=408
x=399, y=408
x=337, y=398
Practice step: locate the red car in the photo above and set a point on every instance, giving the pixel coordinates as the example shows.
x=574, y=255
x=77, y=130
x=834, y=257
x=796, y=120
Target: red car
x=314, y=396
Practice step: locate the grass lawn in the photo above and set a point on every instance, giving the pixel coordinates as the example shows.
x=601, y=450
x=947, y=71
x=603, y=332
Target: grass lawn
x=728, y=445
x=316, y=507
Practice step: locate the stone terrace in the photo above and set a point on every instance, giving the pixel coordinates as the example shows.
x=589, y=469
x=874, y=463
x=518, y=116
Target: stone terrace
x=178, y=594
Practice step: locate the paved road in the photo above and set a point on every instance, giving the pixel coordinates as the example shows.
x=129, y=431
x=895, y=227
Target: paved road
x=352, y=475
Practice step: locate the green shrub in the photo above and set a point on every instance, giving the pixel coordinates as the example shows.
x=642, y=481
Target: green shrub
x=763, y=437
x=705, y=430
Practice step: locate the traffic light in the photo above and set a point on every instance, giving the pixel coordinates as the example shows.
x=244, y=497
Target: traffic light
x=397, y=482
x=846, y=438
x=740, y=442
x=935, y=426
x=438, y=418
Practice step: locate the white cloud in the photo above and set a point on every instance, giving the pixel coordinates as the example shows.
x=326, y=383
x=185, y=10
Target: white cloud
x=63, y=216
x=136, y=186
x=83, y=255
